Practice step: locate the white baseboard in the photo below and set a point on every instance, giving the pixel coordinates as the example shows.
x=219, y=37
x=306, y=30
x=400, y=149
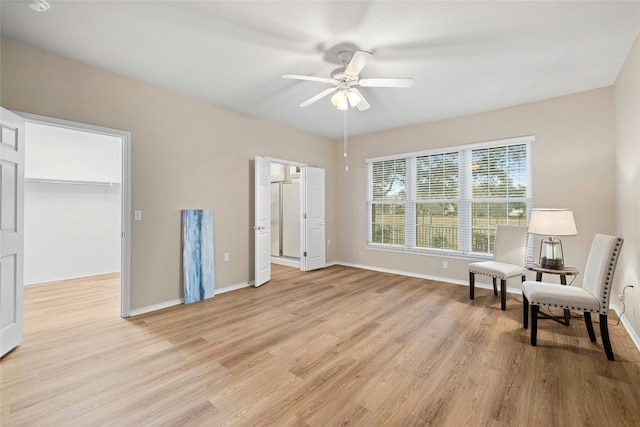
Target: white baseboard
x=234, y=287
x=627, y=325
x=154, y=307
x=75, y=276
x=426, y=276
x=166, y=304
x=285, y=261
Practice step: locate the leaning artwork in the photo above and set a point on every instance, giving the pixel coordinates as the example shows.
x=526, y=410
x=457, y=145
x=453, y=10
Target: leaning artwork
x=197, y=255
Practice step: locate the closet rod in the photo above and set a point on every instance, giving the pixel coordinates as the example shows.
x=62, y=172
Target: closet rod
x=65, y=181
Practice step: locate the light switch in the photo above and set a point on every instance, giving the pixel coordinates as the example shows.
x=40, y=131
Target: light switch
x=137, y=215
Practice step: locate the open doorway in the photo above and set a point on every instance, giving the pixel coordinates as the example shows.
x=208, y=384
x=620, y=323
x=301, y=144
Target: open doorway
x=286, y=214
x=76, y=203
x=312, y=251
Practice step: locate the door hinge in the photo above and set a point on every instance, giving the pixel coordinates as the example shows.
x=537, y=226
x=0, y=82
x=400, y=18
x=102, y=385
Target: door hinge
x=304, y=216
x=304, y=254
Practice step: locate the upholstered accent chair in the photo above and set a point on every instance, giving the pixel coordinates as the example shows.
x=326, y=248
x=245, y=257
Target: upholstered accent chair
x=509, y=257
x=593, y=297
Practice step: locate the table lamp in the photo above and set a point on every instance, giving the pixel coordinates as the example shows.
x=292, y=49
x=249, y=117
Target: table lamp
x=552, y=223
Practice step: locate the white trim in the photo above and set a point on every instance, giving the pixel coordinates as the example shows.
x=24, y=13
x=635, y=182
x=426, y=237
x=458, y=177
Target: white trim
x=625, y=322
x=167, y=304
x=426, y=276
x=125, y=251
x=233, y=287
x=284, y=261
x=71, y=182
x=443, y=253
x=285, y=162
x=155, y=307
x=78, y=276
x=504, y=142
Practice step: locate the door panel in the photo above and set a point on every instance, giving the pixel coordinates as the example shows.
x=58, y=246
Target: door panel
x=315, y=221
x=262, y=227
x=11, y=230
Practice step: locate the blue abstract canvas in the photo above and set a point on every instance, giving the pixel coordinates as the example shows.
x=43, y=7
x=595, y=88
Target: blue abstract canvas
x=197, y=254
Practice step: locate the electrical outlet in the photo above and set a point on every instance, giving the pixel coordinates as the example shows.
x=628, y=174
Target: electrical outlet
x=621, y=297
x=445, y=264
x=226, y=256
x=328, y=242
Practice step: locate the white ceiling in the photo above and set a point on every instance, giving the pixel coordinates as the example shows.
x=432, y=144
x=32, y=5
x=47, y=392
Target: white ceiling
x=465, y=57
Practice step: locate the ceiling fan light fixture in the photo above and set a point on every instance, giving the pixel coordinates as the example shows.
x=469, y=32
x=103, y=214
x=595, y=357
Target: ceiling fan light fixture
x=340, y=101
x=354, y=98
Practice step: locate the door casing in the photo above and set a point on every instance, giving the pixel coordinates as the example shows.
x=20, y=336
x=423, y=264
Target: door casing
x=125, y=247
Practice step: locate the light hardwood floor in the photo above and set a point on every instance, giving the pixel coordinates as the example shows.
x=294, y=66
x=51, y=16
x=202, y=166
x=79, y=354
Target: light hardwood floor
x=333, y=347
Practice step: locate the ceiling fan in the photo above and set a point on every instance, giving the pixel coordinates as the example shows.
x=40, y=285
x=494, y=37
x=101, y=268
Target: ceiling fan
x=345, y=78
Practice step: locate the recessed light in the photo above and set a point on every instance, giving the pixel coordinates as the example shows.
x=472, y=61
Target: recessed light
x=39, y=5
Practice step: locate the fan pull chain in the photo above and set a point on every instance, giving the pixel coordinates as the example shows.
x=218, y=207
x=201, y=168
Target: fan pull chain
x=346, y=158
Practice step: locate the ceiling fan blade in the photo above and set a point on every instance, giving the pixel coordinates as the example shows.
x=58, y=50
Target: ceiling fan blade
x=363, y=105
x=385, y=82
x=310, y=78
x=357, y=63
x=318, y=96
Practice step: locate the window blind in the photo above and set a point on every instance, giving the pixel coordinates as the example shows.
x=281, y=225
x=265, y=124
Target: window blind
x=449, y=200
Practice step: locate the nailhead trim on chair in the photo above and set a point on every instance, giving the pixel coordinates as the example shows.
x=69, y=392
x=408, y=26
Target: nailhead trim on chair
x=613, y=259
x=493, y=275
x=568, y=307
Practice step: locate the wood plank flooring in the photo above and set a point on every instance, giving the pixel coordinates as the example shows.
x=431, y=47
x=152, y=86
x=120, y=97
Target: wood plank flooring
x=339, y=346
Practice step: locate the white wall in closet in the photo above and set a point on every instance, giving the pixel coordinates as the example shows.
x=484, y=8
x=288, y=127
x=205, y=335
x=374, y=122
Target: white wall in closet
x=72, y=203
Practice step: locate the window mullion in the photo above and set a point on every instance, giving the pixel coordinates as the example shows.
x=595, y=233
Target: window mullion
x=464, y=206
x=410, y=204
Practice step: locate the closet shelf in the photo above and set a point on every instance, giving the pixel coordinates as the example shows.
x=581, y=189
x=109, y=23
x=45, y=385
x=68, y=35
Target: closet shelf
x=65, y=181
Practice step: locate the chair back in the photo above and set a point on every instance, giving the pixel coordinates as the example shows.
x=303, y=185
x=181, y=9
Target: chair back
x=511, y=245
x=601, y=264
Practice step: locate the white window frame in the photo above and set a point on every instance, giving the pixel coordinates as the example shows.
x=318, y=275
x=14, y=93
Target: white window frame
x=464, y=200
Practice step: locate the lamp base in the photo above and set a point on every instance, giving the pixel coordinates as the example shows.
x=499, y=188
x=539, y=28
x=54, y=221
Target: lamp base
x=552, y=263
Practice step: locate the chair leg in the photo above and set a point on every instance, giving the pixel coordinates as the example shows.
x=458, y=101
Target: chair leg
x=604, y=331
x=503, y=294
x=472, y=282
x=495, y=287
x=525, y=312
x=587, y=321
x=534, y=324
x=567, y=317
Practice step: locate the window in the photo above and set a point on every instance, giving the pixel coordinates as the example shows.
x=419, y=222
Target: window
x=449, y=201
x=387, y=210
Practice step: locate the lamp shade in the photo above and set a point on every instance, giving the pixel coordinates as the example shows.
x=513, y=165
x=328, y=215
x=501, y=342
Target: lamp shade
x=552, y=222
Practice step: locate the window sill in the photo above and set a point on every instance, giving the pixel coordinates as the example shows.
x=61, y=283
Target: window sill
x=429, y=252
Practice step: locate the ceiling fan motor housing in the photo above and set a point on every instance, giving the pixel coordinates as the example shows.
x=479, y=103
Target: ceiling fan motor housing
x=342, y=77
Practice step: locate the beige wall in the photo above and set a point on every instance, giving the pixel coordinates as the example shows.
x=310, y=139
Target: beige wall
x=627, y=108
x=186, y=153
x=573, y=167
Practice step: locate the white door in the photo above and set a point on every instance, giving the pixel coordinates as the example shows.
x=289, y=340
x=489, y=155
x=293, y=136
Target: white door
x=262, y=227
x=11, y=231
x=314, y=255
